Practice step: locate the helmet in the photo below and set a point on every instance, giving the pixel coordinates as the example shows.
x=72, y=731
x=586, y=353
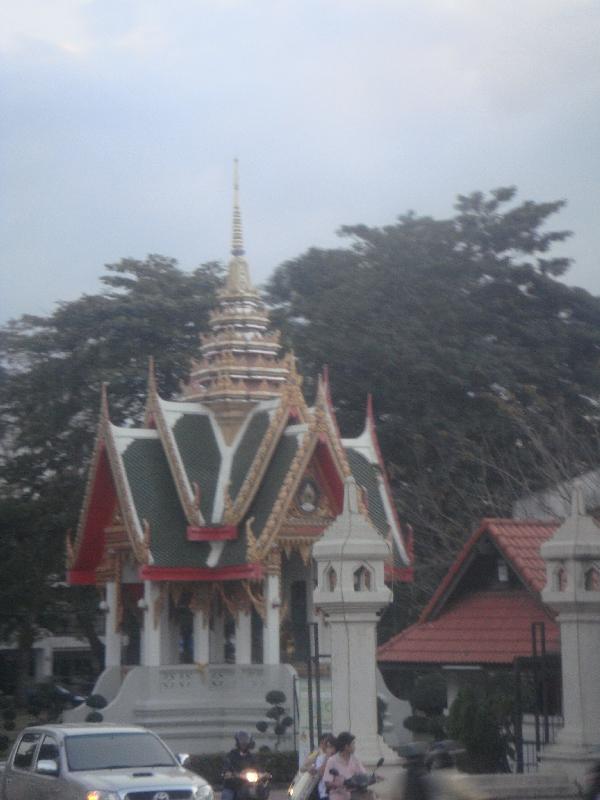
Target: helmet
x=243, y=740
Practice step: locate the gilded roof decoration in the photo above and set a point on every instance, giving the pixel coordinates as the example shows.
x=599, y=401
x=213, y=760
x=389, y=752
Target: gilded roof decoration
x=234, y=451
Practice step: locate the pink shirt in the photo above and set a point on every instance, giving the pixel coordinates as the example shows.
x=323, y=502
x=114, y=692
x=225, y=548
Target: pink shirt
x=346, y=769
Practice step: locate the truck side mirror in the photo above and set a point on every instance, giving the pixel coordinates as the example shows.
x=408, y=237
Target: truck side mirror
x=47, y=766
x=183, y=758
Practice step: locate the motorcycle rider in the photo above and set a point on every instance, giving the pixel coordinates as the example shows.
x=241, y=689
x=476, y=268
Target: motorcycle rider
x=236, y=761
x=432, y=775
x=344, y=765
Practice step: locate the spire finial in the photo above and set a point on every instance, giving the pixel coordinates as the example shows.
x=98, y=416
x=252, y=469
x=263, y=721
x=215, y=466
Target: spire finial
x=577, y=500
x=237, y=240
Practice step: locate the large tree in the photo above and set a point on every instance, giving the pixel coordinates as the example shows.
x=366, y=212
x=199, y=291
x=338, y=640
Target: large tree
x=482, y=364
x=54, y=367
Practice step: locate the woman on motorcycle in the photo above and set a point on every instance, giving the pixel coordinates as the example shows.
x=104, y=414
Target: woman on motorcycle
x=341, y=766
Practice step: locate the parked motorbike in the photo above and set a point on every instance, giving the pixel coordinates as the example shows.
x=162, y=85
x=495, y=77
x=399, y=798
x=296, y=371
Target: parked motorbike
x=359, y=784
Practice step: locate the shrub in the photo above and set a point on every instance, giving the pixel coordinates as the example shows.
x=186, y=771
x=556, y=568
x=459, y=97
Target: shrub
x=96, y=701
x=276, y=714
x=474, y=721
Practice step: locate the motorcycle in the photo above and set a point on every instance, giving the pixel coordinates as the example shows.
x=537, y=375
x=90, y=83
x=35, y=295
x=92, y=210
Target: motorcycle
x=359, y=784
x=253, y=785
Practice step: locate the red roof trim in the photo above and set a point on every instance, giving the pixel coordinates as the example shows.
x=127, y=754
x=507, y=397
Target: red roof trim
x=211, y=534
x=81, y=577
x=372, y=426
x=102, y=500
x=402, y=574
x=233, y=573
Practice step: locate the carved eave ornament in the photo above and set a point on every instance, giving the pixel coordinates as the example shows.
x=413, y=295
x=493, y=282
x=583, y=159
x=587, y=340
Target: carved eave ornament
x=189, y=497
x=139, y=539
x=73, y=547
x=268, y=539
x=105, y=445
x=292, y=404
x=326, y=424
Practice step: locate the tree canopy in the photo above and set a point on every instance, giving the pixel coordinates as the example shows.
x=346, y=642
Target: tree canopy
x=481, y=364
x=49, y=402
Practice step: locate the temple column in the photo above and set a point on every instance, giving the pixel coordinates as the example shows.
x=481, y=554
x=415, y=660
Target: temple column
x=155, y=640
x=112, y=636
x=243, y=637
x=201, y=637
x=271, y=632
x=217, y=639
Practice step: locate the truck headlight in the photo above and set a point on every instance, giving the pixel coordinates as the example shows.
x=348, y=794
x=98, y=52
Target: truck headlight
x=95, y=795
x=204, y=792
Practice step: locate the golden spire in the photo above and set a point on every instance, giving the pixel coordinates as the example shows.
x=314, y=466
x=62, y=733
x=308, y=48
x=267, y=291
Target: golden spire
x=237, y=240
x=238, y=273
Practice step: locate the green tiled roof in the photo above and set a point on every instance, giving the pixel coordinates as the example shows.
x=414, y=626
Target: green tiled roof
x=249, y=444
x=366, y=474
x=156, y=500
x=200, y=455
x=272, y=481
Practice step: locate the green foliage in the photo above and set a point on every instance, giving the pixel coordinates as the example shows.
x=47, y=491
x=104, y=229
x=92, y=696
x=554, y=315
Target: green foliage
x=282, y=766
x=45, y=702
x=276, y=716
x=483, y=367
x=53, y=369
x=275, y=697
x=429, y=694
x=432, y=727
x=96, y=701
x=480, y=718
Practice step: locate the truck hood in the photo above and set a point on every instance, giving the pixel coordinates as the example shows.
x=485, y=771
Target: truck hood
x=140, y=779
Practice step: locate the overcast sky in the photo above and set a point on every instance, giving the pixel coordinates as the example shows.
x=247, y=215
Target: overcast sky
x=120, y=120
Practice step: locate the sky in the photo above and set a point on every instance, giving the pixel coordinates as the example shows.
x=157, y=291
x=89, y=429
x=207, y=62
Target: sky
x=121, y=119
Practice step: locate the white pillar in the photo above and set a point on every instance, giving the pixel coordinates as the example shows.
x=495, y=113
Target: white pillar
x=201, y=637
x=351, y=593
x=156, y=640
x=43, y=660
x=112, y=636
x=243, y=637
x=271, y=633
x=217, y=639
x=572, y=557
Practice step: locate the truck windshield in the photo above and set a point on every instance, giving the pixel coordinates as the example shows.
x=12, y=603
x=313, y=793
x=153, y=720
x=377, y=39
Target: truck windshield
x=116, y=751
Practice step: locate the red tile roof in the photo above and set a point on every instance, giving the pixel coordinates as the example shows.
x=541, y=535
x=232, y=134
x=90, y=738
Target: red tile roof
x=483, y=628
x=518, y=540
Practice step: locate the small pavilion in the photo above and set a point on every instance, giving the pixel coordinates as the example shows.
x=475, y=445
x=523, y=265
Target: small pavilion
x=197, y=527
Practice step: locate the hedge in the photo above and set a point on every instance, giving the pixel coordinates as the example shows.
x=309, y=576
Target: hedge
x=282, y=766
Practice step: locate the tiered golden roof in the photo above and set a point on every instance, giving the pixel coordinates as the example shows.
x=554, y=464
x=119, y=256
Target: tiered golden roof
x=240, y=356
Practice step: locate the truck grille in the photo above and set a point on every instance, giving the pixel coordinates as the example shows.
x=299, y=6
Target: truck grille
x=172, y=794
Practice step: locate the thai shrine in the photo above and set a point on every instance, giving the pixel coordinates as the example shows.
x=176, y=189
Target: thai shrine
x=198, y=526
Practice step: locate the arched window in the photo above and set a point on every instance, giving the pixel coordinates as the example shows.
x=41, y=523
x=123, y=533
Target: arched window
x=592, y=579
x=362, y=580
x=560, y=579
x=331, y=579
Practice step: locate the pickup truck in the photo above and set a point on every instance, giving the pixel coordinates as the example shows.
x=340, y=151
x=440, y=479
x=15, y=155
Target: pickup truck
x=96, y=761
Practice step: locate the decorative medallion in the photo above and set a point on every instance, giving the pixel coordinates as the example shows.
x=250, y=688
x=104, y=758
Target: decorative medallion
x=307, y=496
